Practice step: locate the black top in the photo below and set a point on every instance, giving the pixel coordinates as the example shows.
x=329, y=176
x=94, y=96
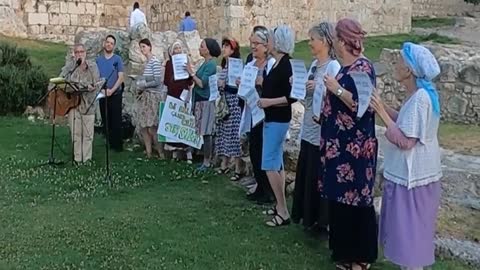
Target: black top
x=277, y=84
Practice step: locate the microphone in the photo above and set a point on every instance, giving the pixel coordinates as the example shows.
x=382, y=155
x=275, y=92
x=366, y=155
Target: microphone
x=77, y=64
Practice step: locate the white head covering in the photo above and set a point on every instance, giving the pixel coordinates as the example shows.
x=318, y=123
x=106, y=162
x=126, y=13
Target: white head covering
x=179, y=43
x=283, y=39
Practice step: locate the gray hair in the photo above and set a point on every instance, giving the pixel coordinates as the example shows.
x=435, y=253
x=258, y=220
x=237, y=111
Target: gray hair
x=79, y=45
x=262, y=33
x=325, y=31
x=283, y=39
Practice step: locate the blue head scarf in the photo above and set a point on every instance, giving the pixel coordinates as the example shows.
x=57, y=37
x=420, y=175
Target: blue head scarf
x=425, y=68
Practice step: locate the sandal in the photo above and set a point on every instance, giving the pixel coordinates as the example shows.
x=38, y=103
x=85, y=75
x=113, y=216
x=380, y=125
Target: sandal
x=223, y=171
x=364, y=266
x=276, y=223
x=270, y=212
x=344, y=266
x=236, y=176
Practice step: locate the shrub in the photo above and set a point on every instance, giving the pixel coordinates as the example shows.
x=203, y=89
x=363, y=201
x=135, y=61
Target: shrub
x=21, y=83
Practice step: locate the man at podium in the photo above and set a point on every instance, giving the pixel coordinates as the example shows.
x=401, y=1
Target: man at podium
x=84, y=75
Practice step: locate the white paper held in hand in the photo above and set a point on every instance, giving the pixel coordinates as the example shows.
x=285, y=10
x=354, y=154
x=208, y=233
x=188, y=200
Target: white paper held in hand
x=299, y=79
x=235, y=69
x=364, y=87
x=213, y=83
x=184, y=95
x=179, y=62
x=247, y=81
x=257, y=113
x=100, y=95
x=318, y=95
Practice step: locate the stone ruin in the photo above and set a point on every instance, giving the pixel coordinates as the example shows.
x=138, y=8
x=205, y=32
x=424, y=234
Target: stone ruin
x=458, y=84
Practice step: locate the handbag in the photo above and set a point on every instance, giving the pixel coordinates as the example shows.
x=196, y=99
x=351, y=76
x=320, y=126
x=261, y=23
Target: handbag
x=221, y=108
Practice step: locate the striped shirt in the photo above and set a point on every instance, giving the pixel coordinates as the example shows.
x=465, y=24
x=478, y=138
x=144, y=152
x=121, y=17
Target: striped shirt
x=153, y=74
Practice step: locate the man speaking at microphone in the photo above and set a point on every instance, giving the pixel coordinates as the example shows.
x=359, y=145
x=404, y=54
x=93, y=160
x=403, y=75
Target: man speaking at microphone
x=85, y=75
x=110, y=66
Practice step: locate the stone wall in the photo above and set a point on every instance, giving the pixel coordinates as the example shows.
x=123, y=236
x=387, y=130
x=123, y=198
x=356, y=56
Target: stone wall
x=458, y=84
x=440, y=8
x=60, y=20
x=376, y=16
x=11, y=23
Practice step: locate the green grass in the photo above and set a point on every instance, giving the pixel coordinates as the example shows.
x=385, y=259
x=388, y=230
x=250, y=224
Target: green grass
x=50, y=56
x=158, y=215
x=373, y=45
x=425, y=22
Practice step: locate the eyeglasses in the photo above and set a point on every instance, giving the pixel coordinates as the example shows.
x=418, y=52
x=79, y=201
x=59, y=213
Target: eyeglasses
x=77, y=52
x=255, y=44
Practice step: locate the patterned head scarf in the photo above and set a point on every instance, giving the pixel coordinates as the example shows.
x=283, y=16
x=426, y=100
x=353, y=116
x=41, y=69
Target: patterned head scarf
x=425, y=68
x=175, y=44
x=351, y=32
x=325, y=30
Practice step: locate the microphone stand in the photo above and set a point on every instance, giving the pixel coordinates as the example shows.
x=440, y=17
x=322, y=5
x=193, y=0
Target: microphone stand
x=108, y=177
x=51, y=158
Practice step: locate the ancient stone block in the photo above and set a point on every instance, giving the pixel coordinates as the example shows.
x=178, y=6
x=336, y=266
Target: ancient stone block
x=38, y=18
x=90, y=8
x=76, y=8
x=59, y=19
x=457, y=105
x=52, y=6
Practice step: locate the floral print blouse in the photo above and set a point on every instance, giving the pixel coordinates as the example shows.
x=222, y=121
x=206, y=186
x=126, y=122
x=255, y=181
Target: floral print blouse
x=348, y=146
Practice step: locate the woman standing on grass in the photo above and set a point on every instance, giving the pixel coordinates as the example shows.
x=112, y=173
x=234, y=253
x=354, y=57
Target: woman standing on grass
x=348, y=155
x=227, y=140
x=276, y=101
x=175, y=89
x=411, y=192
x=262, y=192
x=204, y=110
x=308, y=207
x=150, y=90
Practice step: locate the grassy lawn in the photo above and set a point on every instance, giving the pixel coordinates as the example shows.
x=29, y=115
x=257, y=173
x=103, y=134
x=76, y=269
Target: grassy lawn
x=158, y=215
x=425, y=22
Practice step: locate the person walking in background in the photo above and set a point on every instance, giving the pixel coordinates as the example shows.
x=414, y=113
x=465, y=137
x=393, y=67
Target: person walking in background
x=204, y=110
x=260, y=58
x=187, y=24
x=411, y=192
x=308, y=207
x=348, y=155
x=137, y=16
x=175, y=89
x=149, y=95
x=110, y=66
x=227, y=139
x=276, y=101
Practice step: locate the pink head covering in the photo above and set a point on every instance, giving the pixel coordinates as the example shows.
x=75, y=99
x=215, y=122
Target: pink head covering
x=350, y=32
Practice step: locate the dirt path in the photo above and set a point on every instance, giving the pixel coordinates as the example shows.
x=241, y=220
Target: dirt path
x=467, y=30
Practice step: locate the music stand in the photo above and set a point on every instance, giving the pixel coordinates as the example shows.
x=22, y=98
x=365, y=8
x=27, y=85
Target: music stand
x=57, y=83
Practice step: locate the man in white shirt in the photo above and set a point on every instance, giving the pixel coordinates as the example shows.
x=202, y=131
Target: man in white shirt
x=137, y=16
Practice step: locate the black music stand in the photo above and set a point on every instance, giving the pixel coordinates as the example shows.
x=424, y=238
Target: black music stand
x=51, y=158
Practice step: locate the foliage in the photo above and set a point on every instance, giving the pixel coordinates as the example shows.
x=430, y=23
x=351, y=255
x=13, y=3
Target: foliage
x=475, y=2
x=21, y=82
x=425, y=22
